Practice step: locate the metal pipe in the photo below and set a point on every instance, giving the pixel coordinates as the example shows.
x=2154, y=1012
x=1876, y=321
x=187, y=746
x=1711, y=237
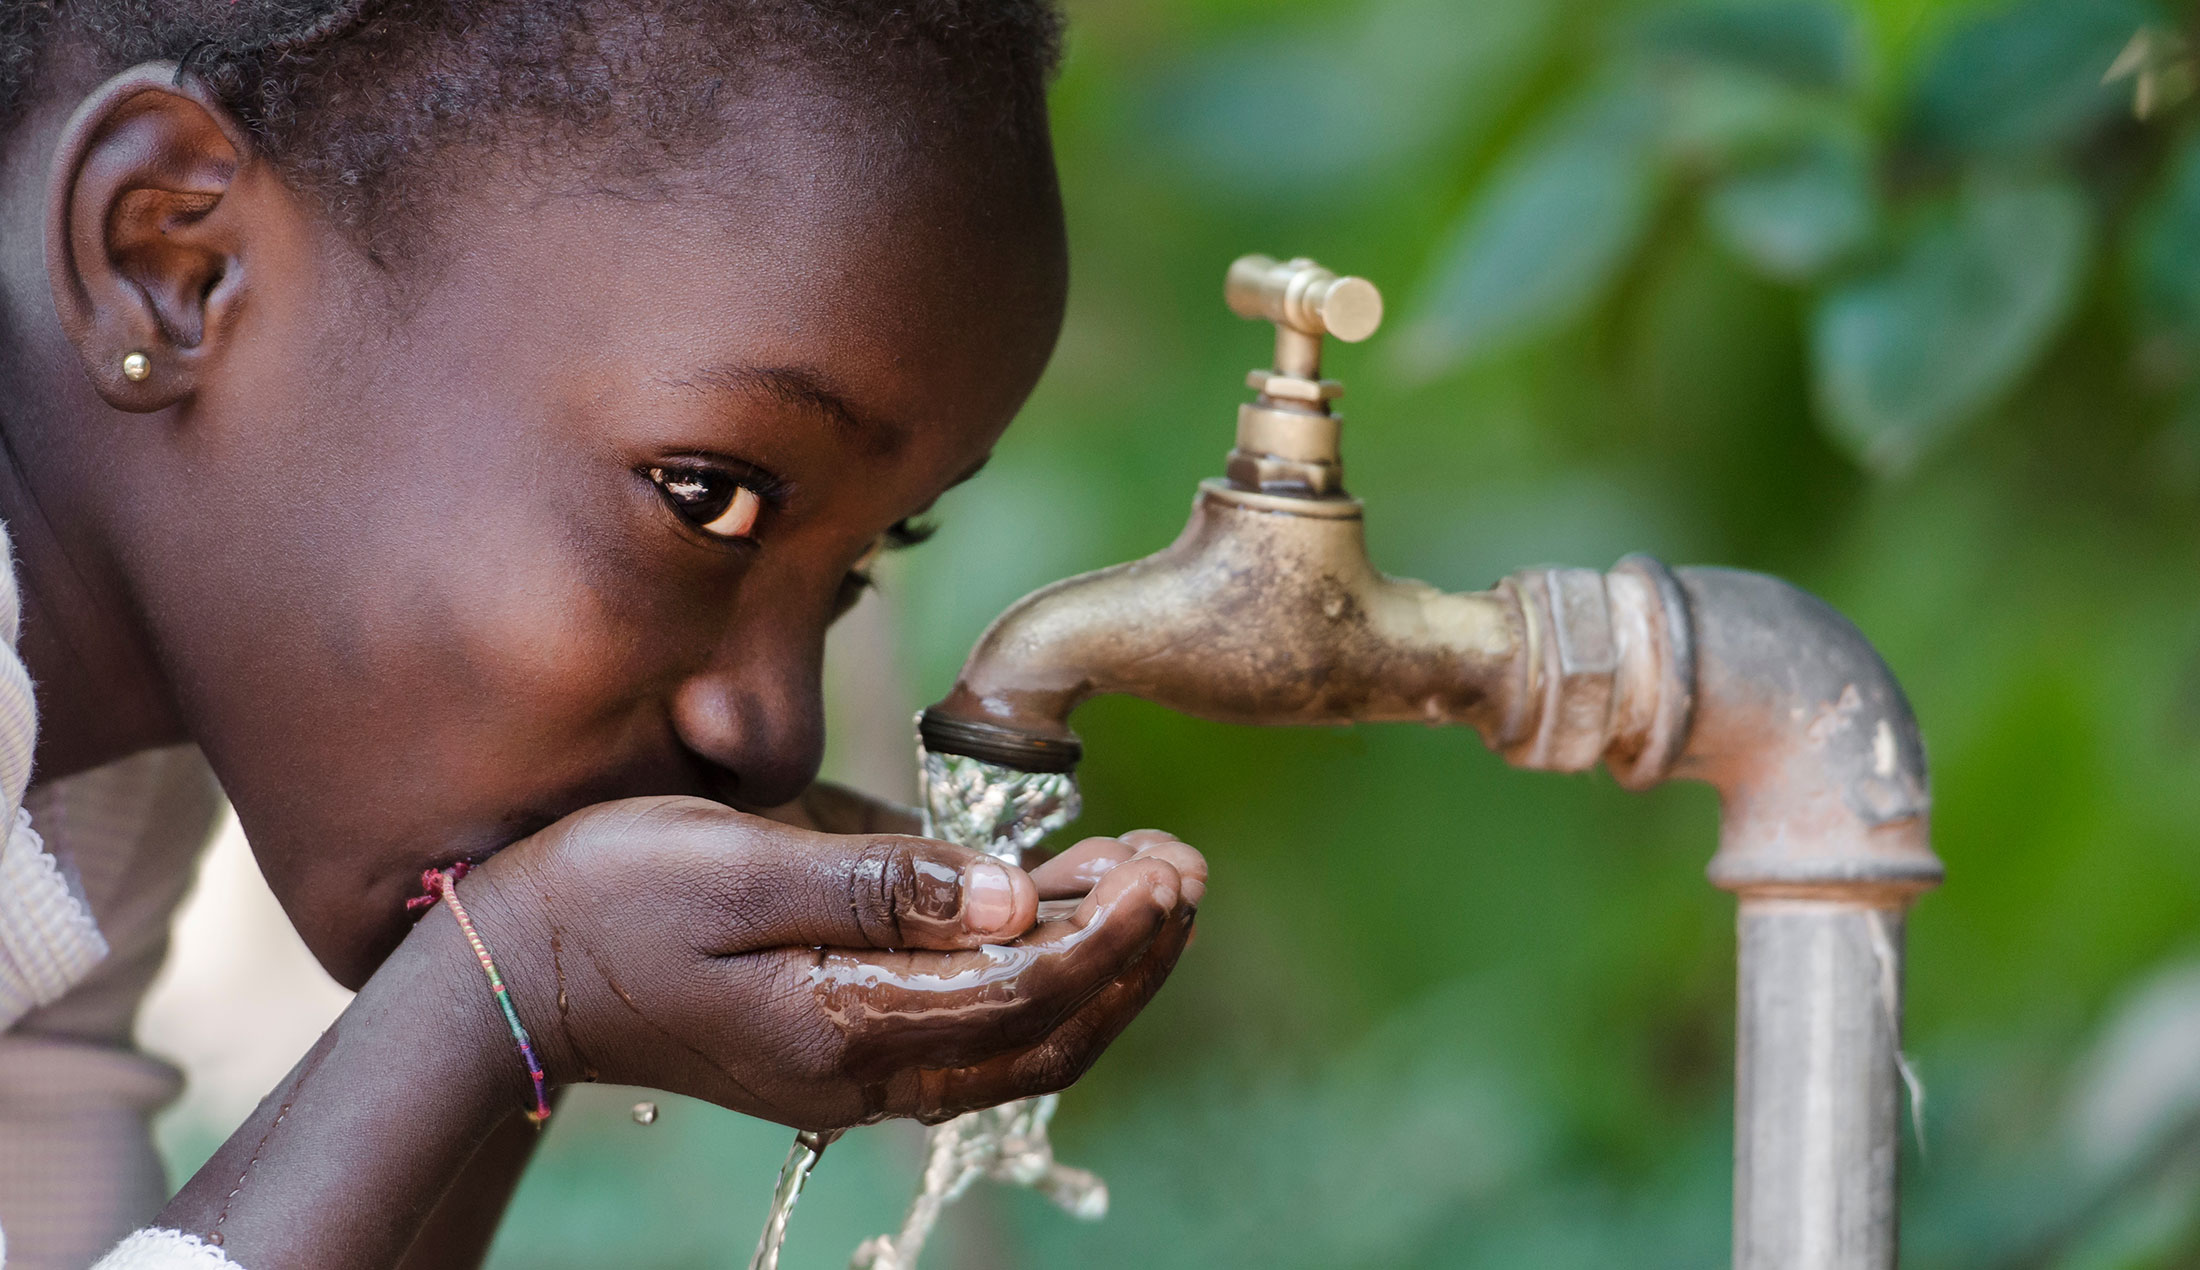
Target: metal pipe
x=1774, y=699
x=1816, y=1127
x=1825, y=838
x=1266, y=610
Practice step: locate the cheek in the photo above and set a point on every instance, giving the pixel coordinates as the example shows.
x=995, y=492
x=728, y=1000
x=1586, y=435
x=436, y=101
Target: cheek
x=486, y=621
x=555, y=609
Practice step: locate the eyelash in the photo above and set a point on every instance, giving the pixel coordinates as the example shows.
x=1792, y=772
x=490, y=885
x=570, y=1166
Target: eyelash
x=899, y=536
x=909, y=532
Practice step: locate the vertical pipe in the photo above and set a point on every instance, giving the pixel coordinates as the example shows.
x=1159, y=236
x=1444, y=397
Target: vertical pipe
x=1817, y=1110
x=1825, y=837
x=1760, y=690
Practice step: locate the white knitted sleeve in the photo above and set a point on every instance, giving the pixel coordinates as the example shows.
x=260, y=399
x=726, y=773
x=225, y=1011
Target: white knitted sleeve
x=48, y=938
x=165, y=1250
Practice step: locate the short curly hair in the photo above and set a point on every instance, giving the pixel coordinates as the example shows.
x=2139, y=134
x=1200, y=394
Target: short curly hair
x=353, y=99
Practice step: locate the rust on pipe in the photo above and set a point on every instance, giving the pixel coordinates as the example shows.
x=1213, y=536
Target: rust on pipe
x=1752, y=686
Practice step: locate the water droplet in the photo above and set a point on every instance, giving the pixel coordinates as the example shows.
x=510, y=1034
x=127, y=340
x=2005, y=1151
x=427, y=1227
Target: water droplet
x=645, y=1113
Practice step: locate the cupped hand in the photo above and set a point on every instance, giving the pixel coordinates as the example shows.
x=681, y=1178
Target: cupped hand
x=824, y=980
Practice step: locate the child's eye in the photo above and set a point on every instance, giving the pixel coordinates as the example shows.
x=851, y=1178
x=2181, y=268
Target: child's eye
x=715, y=502
x=901, y=534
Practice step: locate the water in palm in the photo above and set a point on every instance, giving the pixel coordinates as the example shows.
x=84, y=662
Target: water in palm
x=1004, y=813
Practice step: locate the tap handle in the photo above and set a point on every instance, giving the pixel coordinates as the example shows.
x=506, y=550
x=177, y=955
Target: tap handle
x=1306, y=302
x=1303, y=296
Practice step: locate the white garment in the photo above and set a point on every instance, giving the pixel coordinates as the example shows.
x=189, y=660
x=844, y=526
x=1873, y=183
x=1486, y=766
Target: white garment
x=76, y=1153
x=48, y=939
x=164, y=1250
x=77, y=1166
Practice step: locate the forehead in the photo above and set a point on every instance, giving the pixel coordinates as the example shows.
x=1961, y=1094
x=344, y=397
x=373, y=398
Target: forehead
x=922, y=283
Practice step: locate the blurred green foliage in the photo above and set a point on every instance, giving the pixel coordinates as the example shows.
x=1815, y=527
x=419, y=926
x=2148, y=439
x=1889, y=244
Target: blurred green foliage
x=1895, y=298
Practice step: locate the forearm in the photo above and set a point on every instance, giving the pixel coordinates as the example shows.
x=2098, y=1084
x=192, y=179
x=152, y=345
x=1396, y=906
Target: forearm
x=341, y=1166
x=458, y=1234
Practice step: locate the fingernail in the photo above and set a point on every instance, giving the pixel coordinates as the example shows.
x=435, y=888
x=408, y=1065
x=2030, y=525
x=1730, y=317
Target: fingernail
x=989, y=897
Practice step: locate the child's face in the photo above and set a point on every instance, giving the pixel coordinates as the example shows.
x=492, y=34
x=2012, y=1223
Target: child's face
x=429, y=588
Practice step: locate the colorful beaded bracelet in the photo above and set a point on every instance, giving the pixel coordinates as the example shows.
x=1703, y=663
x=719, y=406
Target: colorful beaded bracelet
x=442, y=884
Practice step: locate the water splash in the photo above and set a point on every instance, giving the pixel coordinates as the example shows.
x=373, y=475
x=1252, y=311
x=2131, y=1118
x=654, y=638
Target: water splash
x=1004, y=813
x=1007, y=1144
x=997, y=810
x=793, y=1176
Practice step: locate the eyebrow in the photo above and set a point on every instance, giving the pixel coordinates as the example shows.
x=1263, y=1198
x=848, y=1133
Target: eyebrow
x=805, y=391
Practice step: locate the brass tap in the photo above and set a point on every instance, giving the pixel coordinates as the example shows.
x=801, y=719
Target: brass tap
x=1266, y=610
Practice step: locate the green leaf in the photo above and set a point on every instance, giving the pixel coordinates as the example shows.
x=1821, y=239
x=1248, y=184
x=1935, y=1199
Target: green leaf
x=1804, y=45
x=1905, y=355
x=2028, y=78
x=1797, y=217
x=2164, y=259
x=1713, y=118
x=1547, y=235
x=1299, y=114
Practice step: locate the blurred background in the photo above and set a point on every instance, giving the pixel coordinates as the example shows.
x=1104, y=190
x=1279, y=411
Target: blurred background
x=1899, y=299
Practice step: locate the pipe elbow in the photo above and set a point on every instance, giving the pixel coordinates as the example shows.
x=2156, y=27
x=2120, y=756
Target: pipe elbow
x=1807, y=736
x=1750, y=685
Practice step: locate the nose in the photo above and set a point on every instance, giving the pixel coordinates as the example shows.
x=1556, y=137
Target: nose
x=757, y=717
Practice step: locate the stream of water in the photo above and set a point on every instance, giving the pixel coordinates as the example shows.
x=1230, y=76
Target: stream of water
x=1004, y=813
x=793, y=1176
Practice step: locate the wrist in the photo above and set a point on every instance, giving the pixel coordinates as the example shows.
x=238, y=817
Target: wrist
x=341, y=1165
x=443, y=893
x=436, y=989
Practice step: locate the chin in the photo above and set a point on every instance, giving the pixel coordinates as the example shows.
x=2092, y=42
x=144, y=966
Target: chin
x=353, y=941
x=349, y=905
x=349, y=922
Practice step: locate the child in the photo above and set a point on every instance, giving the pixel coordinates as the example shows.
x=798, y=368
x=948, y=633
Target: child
x=461, y=420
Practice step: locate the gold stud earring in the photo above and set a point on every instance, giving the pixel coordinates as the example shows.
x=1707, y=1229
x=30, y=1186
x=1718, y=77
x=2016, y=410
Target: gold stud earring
x=136, y=367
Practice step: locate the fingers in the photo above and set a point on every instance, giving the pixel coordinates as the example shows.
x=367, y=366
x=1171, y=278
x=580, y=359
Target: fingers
x=1189, y=864
x=1057, y=1060
x=943, y=1010
x=1073, y=874
x=772, y=886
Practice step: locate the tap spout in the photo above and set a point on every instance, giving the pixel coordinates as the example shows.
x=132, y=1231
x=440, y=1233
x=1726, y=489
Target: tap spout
x=1264, y=611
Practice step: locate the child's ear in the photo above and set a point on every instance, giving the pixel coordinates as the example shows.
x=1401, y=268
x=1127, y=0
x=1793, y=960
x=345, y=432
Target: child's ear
x=147, y=235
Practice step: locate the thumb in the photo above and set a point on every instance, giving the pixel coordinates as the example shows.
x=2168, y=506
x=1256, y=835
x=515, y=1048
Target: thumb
x=796, y=887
